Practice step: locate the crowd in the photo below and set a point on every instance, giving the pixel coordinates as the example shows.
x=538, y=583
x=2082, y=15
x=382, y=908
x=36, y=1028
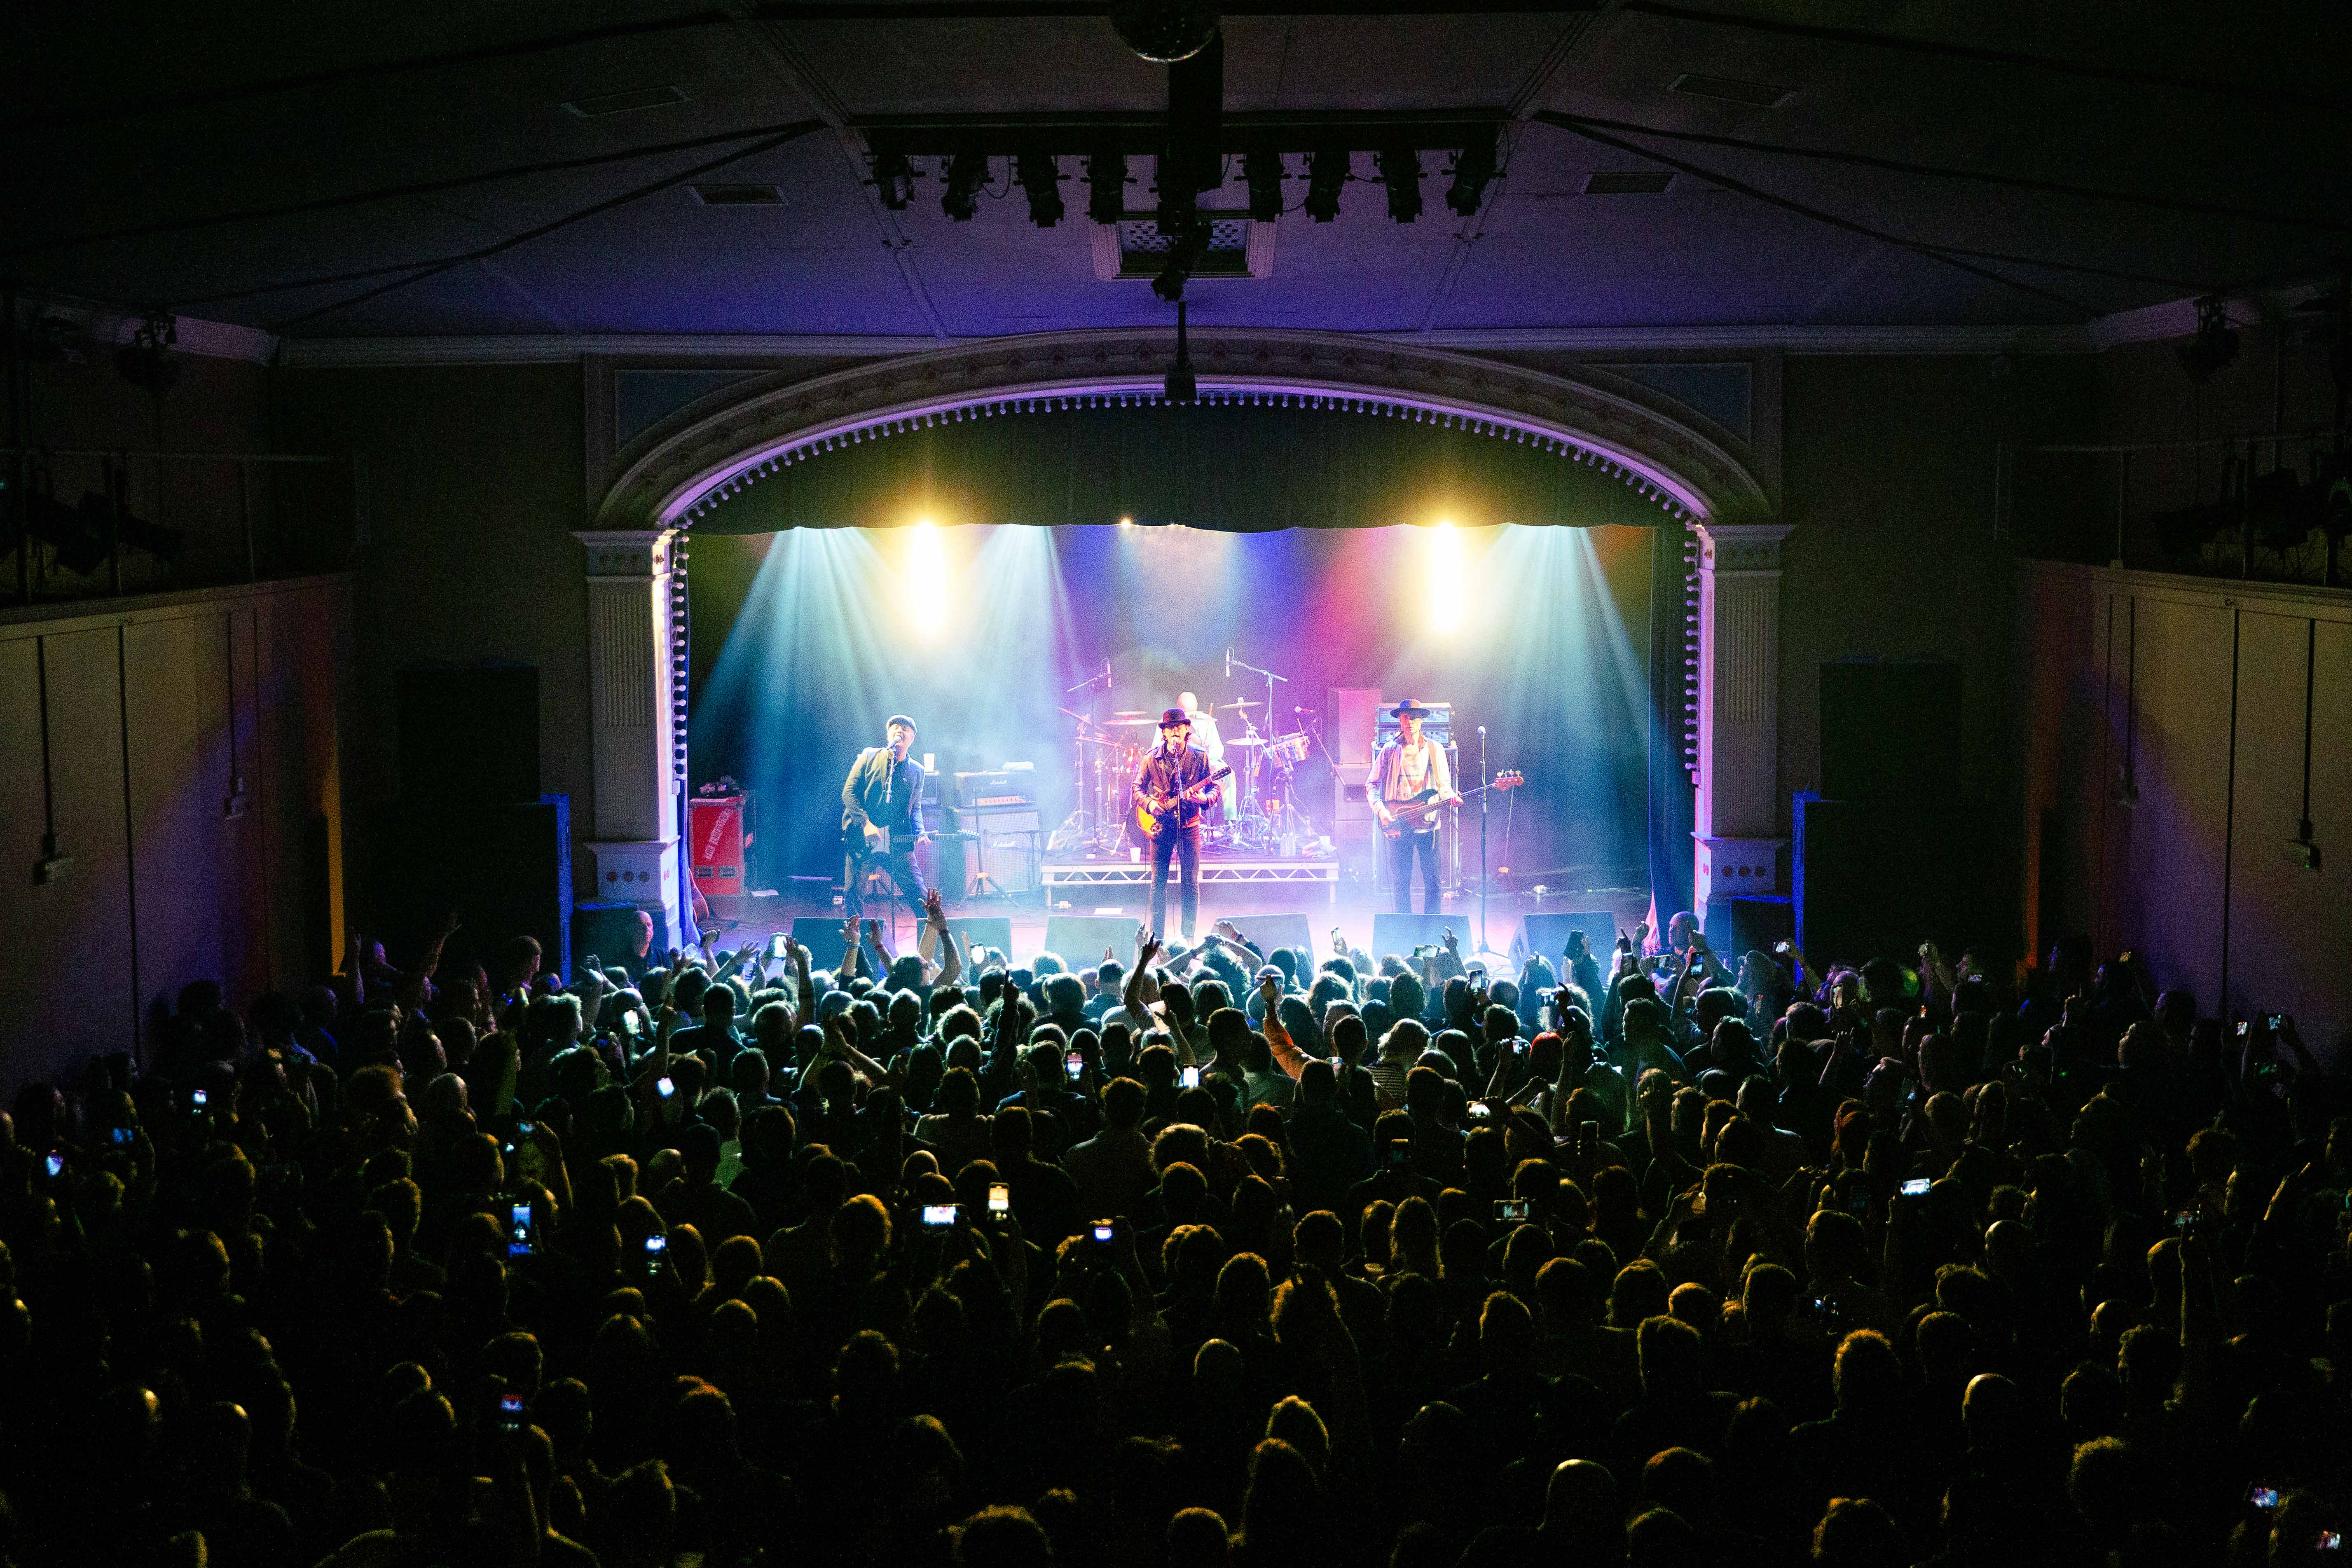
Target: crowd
x=1205, y=1258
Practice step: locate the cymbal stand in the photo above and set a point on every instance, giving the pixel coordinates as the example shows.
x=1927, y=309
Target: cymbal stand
x=1252, y=806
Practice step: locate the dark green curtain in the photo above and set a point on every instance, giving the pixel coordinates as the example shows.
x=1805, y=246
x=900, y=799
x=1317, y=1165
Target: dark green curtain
x=1238, y=468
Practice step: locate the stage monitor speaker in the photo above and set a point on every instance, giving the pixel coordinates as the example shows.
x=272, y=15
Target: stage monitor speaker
x=611, y=930
x=468, y=732
x=503, y=871
x=1267, y=932
x=1890, y=729
x=989, y=931
x=822, y=937
x=1080, y=938
x=1400, y=934
x=1350, y=715
x=1546, y=935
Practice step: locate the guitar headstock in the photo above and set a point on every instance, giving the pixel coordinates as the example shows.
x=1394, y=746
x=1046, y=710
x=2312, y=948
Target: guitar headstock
x=1511, y=780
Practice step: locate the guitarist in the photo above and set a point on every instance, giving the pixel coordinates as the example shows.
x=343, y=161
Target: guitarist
x=1174, y=785
x=882, y=814
x=1407, y=768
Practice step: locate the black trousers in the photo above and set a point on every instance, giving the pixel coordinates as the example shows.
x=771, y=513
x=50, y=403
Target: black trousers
x=899, y=862
x=1185, y=844
x=1402, y=849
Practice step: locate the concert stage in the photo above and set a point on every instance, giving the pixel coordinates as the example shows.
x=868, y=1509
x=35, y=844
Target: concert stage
x=1096, y=875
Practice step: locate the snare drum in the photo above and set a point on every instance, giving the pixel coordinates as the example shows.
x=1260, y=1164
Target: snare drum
x=1288, y=749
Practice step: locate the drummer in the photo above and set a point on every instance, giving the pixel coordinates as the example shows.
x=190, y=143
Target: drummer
x=1206, y=736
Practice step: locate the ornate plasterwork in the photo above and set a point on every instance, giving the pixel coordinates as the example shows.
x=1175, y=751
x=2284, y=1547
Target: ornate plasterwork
x=759, y=424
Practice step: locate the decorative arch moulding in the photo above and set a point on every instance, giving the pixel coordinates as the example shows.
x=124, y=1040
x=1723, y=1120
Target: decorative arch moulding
x=721, y=442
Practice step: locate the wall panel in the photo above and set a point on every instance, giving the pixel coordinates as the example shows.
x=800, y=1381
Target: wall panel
x=156, y=707
x=2281, y=914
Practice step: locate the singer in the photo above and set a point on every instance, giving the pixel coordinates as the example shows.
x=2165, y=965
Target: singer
x=1410, y=770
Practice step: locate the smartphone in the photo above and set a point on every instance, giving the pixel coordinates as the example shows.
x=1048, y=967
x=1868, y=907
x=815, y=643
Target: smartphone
x=56, y=1164
x=1000, y=1198
x=1916, y=1187
x=1424, y=951
x=655, y=1247
x=1103, y=1231
x=778, y=945
x=1399, y=1153
x=518, y=1231
x=1782, y=947
x=1514, y=1211
x=1480, y=1113
x=1858, y=1202
x=2328, y=1540
x=526, y=1128
x=938, y=1214
x=122, y=1135
x=2262, y=1496
x=1075, y=1065
x=2183, y=1220
x=665, y=1088
x=509, y=1412
x=1588, y=1138
x=1190, y=1078
x=197, y=1097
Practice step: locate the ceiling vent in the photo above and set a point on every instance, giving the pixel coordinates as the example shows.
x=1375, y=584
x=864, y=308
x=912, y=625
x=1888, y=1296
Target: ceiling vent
x=1732, y=89
x=724, y=195
x=1629, y=182
x=1135, y=247
x=624, y=102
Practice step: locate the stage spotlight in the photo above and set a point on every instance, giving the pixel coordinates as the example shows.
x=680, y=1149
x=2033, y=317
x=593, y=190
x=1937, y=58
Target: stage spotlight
x=1262, y=170
x=1106, y=184
x=1473, y=167
x=1444, y=578
x=1127, y=523
x=967, y=173
x=927, y=580
x=1326, y=171
x=2215, y=344
x=1164, y=31
x=1039, y=173
x=1400, y=171
x=894, y=178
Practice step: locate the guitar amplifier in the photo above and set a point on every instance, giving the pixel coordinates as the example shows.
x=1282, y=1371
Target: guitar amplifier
x=997, y=802
x=1438, y=726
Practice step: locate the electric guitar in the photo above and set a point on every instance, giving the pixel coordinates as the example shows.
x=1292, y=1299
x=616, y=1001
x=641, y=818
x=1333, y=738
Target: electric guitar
x=876, y=839
x=1150, y=809
x=1414, y=813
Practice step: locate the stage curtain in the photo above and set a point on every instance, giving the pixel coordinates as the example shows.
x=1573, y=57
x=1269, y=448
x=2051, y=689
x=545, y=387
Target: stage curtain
x=1672, y=806
x=1241, y=469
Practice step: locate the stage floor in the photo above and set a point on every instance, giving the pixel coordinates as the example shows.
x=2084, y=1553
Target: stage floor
x=1323, y=905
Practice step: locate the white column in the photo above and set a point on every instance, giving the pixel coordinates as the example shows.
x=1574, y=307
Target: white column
x=635, y=842
x=1737, y=813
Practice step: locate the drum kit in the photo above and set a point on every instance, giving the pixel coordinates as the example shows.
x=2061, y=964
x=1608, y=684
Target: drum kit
x=1262, y=814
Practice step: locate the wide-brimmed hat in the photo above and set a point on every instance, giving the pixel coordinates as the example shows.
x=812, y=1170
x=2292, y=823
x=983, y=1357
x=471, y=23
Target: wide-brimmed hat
x=1409, y=709
x=1172, y=717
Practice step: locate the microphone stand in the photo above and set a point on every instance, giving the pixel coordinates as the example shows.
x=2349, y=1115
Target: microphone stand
x=1270, y=678
x=1486, y=798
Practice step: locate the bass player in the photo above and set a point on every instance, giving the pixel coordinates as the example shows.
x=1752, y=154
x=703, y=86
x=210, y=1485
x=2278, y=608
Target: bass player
x=1410, y=768
x=1173, y=786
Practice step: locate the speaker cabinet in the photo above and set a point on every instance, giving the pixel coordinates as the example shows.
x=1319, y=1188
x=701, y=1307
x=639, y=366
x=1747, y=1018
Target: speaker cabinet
x=1544, y=936
x=503, y=871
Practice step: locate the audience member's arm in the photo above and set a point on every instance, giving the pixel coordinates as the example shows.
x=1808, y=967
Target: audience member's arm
x=807, y=982
x=1232, y=934
x=1286, y=1053
x=852, y=954
x=1147, y=947
x=935, y=924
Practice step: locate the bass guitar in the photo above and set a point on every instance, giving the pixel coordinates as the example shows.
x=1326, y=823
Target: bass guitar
x=1415, y=813
x=1150, y=809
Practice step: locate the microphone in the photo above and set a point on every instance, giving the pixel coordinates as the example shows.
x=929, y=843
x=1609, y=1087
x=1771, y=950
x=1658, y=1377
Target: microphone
x=1482, y=732
x=1229, y=664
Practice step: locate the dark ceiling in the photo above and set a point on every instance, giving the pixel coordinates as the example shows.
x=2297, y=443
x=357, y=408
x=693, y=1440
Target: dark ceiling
x=1932, y=163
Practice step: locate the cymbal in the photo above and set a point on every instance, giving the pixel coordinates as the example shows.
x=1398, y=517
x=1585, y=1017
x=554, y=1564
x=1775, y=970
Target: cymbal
x=1132, y=714
x=1128, y=723
x=1243, y=740
x=1240, y=704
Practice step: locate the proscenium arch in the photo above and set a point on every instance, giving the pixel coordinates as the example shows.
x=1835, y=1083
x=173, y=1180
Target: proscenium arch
x=724, y=440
